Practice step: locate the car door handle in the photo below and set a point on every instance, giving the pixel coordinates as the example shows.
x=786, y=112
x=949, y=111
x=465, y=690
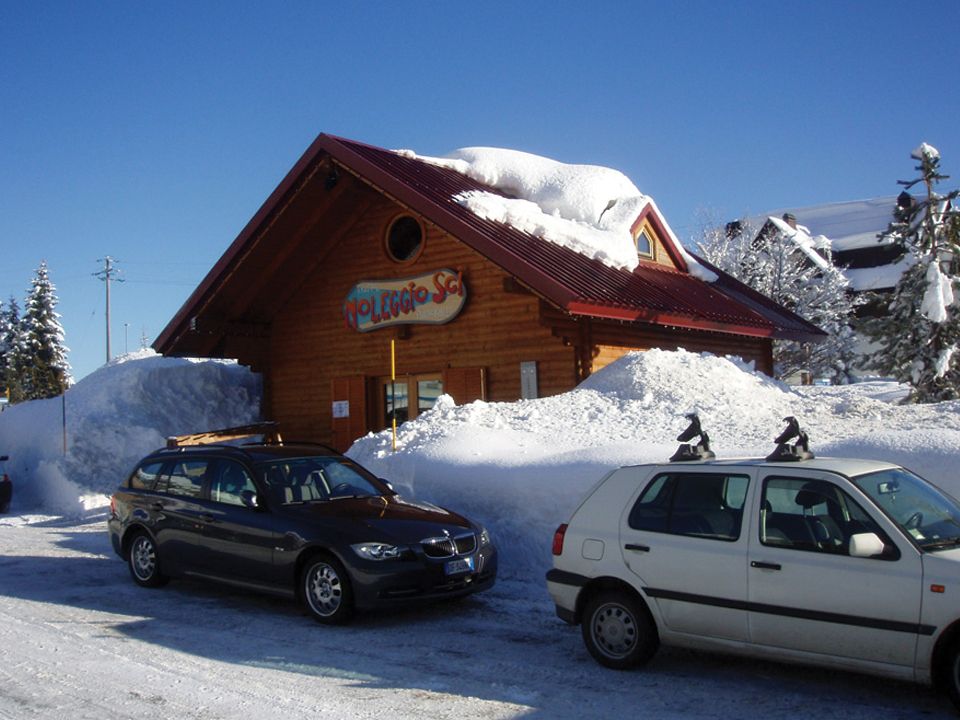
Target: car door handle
x=206, y=517
x=636, y=548
x=764, y=565
x=158, y=506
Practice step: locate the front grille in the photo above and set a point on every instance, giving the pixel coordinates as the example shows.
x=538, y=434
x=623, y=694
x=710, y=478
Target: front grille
x=444, y=547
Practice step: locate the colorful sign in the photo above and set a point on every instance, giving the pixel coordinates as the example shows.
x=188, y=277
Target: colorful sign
x=433, y=298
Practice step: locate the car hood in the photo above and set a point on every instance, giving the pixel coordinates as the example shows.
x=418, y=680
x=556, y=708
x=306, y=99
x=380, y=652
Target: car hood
x=405, y=521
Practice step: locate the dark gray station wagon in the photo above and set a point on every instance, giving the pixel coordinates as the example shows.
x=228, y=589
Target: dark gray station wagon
x=293, y=519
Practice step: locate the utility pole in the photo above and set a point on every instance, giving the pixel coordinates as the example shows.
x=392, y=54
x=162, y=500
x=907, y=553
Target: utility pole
x=108, y=273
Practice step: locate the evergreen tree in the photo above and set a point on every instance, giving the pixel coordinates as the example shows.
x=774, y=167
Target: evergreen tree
x=781, y=262
x=46, y=372
x=920, y=333
x=11, y=342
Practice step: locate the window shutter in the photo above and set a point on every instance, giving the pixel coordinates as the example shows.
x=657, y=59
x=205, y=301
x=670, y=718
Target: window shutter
x=465, y=384
x=348, y=395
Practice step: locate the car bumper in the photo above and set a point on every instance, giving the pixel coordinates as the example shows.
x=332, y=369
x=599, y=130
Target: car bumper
x=564, y=588
x=384, y=584
x=113, y=530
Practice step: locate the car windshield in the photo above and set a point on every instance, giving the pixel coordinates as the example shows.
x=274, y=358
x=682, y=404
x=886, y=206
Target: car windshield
x=929, y=516
x=319, y=478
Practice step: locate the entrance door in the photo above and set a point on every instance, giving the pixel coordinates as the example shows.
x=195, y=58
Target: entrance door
x=408, y=396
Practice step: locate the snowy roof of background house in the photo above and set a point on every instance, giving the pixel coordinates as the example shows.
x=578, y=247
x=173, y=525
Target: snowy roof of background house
x=849, y=225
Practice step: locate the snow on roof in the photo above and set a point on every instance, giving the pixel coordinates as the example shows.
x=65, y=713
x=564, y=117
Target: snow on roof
x=800, y=235
x=881, y=277
x=587, y=208
x=849, y=225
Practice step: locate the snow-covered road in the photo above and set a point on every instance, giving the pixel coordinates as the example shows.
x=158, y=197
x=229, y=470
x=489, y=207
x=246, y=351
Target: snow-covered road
x=80, y=640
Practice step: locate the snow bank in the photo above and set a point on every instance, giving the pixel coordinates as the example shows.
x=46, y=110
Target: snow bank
x=113, y=417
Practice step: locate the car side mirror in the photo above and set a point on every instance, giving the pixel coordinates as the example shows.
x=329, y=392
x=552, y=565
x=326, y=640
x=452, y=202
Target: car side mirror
x=388, y=484
x=866, y=545
x=249, y=499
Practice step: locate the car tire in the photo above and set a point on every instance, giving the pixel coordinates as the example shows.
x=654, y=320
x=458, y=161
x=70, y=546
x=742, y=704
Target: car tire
x=144, y=562
x=4, y=507
x=618, y=630
x=325, y=590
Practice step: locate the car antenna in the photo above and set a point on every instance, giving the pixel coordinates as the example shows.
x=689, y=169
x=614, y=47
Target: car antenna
x=800, y=450
x=686, y=451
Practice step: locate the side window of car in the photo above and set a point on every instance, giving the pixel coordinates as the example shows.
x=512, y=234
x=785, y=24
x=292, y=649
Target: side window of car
x=187, y=477
x=145, y=476
x=811, y=515
x=230, y=480
x=706, y=505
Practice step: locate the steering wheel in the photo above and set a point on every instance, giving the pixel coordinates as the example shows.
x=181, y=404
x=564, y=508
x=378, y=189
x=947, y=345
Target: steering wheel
x=914, y=521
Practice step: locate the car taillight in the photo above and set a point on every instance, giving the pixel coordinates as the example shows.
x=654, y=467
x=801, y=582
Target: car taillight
x=113, y=505
x=558, y=539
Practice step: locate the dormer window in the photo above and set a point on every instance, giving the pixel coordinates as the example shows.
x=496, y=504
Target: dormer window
x=644, y=244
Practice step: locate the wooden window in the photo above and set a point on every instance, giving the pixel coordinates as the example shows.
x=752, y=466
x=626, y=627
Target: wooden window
x=403, y=241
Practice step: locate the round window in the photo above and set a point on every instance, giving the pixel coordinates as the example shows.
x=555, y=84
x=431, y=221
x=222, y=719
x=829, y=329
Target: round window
x=404, y=239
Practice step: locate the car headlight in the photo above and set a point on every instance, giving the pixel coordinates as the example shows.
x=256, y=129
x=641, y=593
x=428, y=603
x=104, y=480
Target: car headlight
x=377, y=551
x=484, y=537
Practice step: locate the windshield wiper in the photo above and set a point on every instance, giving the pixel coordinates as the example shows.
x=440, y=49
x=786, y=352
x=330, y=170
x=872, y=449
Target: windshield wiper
x=941, y=544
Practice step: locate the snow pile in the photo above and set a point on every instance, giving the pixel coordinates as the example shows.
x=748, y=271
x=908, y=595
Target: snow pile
x=587, y=208
x=111, y=419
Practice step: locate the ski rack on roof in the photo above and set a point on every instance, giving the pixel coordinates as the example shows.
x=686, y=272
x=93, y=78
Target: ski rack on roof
x=687, y=452
x=785, y=452
x=269, y=430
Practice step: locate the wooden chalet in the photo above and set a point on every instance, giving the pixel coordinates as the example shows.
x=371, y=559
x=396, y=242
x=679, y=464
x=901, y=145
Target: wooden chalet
x=360, y=246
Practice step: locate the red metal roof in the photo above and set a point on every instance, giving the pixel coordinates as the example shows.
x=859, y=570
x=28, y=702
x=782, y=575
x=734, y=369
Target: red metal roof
x=580, y=285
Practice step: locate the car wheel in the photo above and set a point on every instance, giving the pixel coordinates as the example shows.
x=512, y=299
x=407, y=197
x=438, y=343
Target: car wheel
x=325, y=590
x=144, y=562
x=4, y=507
x=618, y=630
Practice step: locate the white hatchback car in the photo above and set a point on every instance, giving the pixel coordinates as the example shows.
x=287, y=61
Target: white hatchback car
x=843, y=563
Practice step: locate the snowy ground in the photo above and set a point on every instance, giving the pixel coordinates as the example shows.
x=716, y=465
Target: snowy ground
x=80, y=640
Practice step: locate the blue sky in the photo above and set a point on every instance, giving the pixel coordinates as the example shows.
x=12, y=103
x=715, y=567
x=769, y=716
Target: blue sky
x=152, y=132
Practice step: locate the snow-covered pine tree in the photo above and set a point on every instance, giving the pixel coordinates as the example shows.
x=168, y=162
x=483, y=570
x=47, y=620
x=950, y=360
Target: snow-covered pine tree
x=920, y=333
x=11, y=340
x=781, y=262
x=46, y=372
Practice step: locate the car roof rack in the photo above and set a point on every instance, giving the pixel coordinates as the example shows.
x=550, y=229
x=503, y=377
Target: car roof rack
x=269, y=430
x=687, y=452
x=786, y=452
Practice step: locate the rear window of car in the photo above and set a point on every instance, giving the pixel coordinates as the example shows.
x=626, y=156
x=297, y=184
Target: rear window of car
x=698, y=504
x=145, y=476
x=186, y=478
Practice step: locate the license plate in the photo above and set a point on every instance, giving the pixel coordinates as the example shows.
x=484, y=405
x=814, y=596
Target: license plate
x=455, y=567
